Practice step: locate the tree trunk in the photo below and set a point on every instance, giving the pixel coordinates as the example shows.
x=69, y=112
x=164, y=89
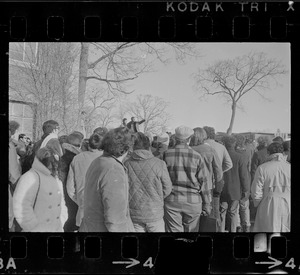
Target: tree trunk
x=83, y=71
x=233, y=108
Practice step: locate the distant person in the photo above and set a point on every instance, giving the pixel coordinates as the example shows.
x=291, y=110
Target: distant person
x=236, y=187
x=190, y=193
x=278, y=139
x=172, y=141
x=72, y=148
x=287, y=150
x=76, y=176
x=243, y=224
x=162, y=145
x=124, y=122
x=214, y=166
x=133, y=125
x=101, y=131
x=219, y=148
x=14, y=169
x=250, y=149
x=261, y=155
x=271, y=192
x=85, y=144
x=106, y=197
x=149, y=185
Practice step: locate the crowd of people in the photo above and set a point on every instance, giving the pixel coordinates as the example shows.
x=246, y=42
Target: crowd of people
x=124, y=180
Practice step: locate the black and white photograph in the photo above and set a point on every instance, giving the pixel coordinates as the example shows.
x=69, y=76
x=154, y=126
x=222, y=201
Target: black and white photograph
x=149, y=137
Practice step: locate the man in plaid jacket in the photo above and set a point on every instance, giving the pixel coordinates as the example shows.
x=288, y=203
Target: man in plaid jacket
x=189, y=196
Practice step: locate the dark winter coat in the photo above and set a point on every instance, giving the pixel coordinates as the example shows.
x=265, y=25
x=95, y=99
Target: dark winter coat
x=237, y=179
x=134, y=125
x=64, y=165
x=258, y=158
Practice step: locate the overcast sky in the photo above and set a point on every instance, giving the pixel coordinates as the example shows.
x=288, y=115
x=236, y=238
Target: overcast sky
x=174, y=83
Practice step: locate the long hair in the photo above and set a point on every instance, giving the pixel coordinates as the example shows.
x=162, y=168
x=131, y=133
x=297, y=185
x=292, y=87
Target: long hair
x=198, y=137
x=141, y=142
x=46, y=156
x=13, y=126
x=95, y=141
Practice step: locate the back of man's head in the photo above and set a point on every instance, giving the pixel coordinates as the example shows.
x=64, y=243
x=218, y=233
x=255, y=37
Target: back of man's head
x=210, y=131
x=229, y=141
x=141, y=142
x=49, y=126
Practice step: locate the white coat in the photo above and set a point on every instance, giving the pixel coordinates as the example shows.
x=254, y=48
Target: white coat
x=271, y=192
x=49, y=212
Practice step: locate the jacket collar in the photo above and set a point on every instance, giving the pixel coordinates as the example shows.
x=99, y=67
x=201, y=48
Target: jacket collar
x=38, y=166
x=276, y=157
x=141, y=154
x=110, y=156
x=71, y=148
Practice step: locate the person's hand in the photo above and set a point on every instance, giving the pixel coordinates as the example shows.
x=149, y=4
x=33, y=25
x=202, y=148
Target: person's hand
x=245, y=196
x=206, y=209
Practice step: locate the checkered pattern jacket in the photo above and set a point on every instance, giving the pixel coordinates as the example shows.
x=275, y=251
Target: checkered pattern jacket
x=188, y=174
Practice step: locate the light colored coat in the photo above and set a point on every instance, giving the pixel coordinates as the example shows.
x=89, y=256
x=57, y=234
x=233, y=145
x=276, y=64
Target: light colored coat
x=271, y=192
x=106, y=206
x=222, y=153
x=76, y=179
x=49, y=212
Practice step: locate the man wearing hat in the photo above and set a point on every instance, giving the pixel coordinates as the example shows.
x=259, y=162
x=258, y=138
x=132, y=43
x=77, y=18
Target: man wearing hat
x=189, y=196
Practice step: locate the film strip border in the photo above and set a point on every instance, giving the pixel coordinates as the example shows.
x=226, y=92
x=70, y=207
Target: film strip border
x=145, y=21
x=142, y=254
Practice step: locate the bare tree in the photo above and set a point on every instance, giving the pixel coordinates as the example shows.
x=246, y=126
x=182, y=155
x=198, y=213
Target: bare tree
x=113, y=65
x=99, y=110
x=46, y=79
x=153, y=110
x=233, y=79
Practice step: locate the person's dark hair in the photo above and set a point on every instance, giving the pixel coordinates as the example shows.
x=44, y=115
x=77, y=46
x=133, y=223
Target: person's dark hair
x=63, y=139
x=263, y=141
x=278, y=139
x=240, y=140
x=181, y=141
x=85, y=145
x=198, y=137
x=172, y=141
x=132, y=117
x=21, y=136
x=286, y=145
x=46, y=156
x=79, y=134
x=101, y=131
x=124, y=119
x=210, y=132
x=117, y=141
x=141, y=142
x=275, y=147
x=95, y=141
x=248, y=140
x=74, y=139
x=13, y=126
x=229, y=141
x=48, y=127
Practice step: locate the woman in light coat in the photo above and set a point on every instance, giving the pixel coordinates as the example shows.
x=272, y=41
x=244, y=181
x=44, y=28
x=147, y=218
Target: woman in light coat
x=38, y=202
x=271, y=192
